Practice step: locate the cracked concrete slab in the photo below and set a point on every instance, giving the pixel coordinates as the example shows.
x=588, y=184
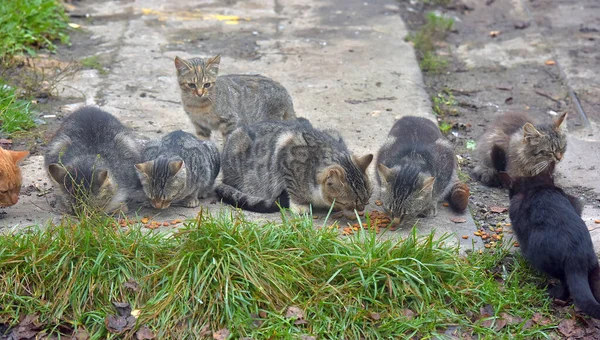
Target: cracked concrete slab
x=345, y=63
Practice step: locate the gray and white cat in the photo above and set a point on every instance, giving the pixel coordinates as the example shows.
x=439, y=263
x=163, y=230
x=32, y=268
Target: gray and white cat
x=224, y=102
x=416, y=168
x=178, y=169
x=279, y=161
x=91, y=159
x=530, y=148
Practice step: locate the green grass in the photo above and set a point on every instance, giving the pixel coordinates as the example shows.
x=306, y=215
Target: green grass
x=15, y=114
x=27, y=25
x=224, y=271
x=424, y=40
x=93, y=62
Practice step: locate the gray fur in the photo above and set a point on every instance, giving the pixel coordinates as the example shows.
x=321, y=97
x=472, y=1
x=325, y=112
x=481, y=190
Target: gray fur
x=230, y=100
x=276, y=160
x=166, y=181
x=90, y=160
x=530, y=149
x=414, y=154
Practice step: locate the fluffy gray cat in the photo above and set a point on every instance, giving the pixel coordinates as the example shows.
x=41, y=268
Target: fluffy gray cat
x=223, y=102
x=530, y=148
x=416, y=168
x=91, y=159
x=280, y=161
x=178, y=169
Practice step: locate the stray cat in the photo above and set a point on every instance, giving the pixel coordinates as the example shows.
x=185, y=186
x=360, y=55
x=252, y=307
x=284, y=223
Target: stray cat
x=530, y=148
x=552, y=236
x=10, y=176
x=91, y=162
x=226, y=101
x=416, y=168
x=178, y=169
x=295, y=165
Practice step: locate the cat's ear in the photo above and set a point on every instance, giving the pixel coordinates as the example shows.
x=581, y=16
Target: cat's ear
x=428, y=185
x=530, y=132
x=363, y=162
x=560, y=123
x=212, y=64
x=101, y=177
x=385, y=172
x=57, y=172
x=182, y=65
x=144, y=168
x=505, y=179
x=175, y=166
x=332, y=176
x=18, y=156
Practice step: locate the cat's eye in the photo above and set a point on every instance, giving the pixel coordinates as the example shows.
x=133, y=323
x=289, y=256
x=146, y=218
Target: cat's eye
x=191, y=85
x=3, y=192
x=206, y=85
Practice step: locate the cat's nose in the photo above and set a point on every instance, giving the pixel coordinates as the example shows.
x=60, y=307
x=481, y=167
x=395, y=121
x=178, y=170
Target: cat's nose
x=199, y=92
x=558, y=155
x=158, y=204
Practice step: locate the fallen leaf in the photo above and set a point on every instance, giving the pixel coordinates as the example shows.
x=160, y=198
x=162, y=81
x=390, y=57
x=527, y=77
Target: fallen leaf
x=74, y=25
x=132, y=284
x=294, y=312
x=375, y=316
x=308, y=337
x=487, y=323
x=458, y=219
x=567, y=327
x=144, y=334
x=541, y=320
x=221, y=334
x=408, y=313
x=528, y=324
x=550, y=62
x=136, y=313
x=511, y=319
x=486, y=311
x=119, y=324
x=500, y=323
x=123, y=308
x=498, y=210
x=80, y=334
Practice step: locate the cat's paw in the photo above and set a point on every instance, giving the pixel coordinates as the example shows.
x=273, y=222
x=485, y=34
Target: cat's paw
x=190, y=202
x=559, y=292
x=429, y=212
x=487, y=176
x=299, y=209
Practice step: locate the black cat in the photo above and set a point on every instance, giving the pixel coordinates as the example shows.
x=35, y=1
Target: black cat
x=552, y=235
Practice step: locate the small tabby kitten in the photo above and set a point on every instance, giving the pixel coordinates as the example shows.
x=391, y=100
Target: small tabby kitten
x=530, y=148
x=416, y=168
x=178, y=169
x=272, y=161
x=10, y=176
x=223, y=102
x=552, y=236
x=91, y=162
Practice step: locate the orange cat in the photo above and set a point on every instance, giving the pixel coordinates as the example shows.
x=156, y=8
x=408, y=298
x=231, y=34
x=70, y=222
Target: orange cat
x=10, y=176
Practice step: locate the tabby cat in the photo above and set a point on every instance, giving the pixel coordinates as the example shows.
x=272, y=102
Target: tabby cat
x=551, y=234
x=416, y=168
x=178, y=169
x=91, y=162
x=530, y=148
x=10, y=176
x=223, y=102
x=292, y=164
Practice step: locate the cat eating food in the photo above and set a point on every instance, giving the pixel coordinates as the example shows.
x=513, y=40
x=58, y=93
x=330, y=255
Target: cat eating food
x=178, y=169
x=291, y=164
x=91, y=162
x=551, y=234
x=223, y=102
x=10, y=176
x=529, y=148
x=416, y=167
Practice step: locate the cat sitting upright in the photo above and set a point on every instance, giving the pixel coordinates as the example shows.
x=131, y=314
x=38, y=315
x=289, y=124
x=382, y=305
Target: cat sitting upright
x=224, y=102
x=91, y=162
x=10, y=176
x=529, y=148
x=416, y=168
x=178, y=169
x=295, y=165
x=551, y=234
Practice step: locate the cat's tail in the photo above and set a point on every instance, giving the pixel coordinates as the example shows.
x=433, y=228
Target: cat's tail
x=579, y=286
x=233, y=196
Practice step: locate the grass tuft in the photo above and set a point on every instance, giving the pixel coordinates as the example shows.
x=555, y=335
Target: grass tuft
x=15, y=114
x=435, y=29
x=225, y=271
x=26, y=25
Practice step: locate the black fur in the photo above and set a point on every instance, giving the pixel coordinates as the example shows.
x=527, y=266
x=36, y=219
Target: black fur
x=232, y=196
x=552, y=236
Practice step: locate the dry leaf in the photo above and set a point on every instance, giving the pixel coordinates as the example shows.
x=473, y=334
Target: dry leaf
x=144, y=334
x=498, y=210
x=409, y=314
x=294, y=312
x=132, y=284
x=458, y=219
x=375, y=316
x=567, y=327
x=221, y=334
